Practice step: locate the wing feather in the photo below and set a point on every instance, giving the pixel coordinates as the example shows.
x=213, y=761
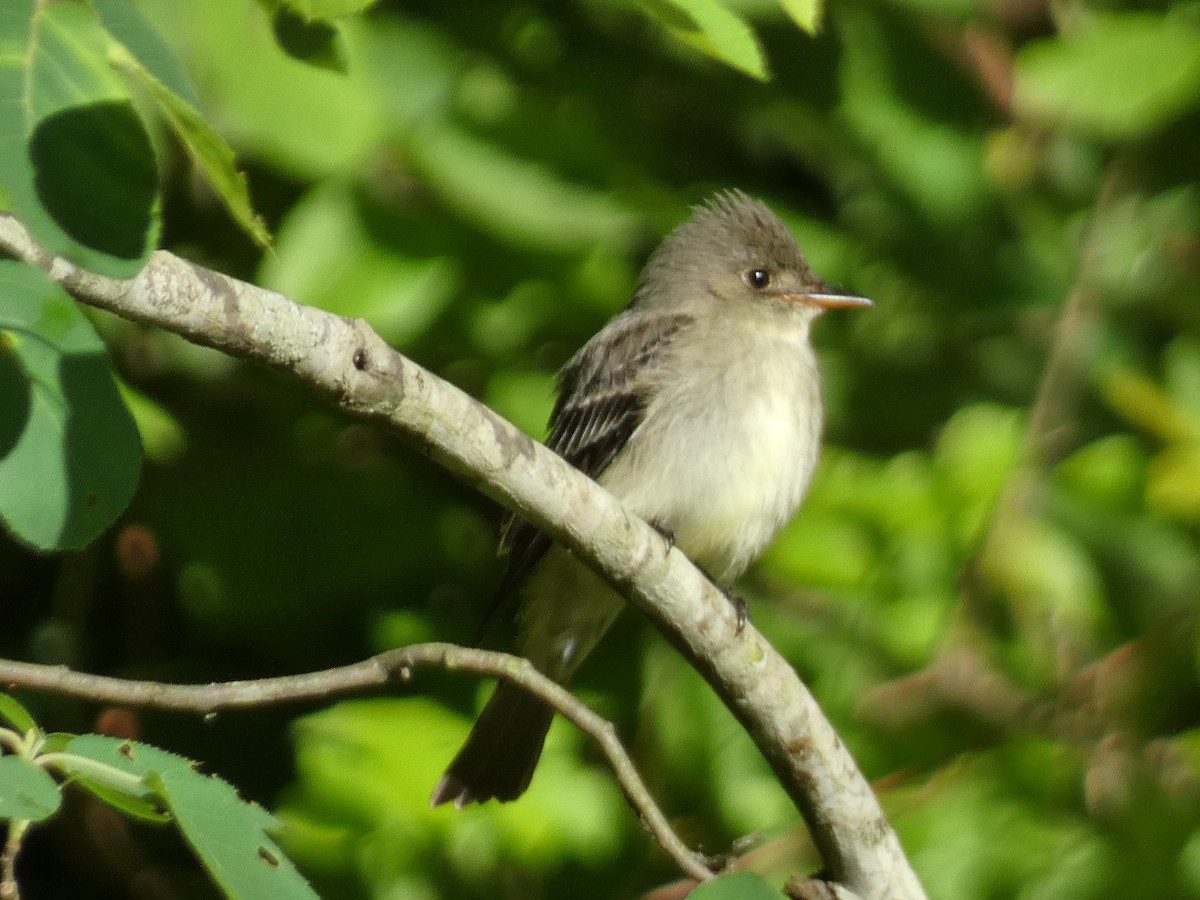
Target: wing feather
x=602, y=396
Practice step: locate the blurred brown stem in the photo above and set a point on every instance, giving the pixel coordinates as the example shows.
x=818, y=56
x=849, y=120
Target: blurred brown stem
x=9, y=888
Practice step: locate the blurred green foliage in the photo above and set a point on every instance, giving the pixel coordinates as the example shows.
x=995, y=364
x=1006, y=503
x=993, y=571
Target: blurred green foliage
x=992, y=588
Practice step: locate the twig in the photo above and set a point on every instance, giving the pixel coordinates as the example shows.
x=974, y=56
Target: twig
x=346, y=361
x=959, y=679
x=378, y=671
x=10, y=889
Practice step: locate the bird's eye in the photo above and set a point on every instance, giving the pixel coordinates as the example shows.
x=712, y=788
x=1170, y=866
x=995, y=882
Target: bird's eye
x=758, y=278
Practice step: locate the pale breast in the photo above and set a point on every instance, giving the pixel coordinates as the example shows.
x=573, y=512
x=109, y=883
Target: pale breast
x=725, y=453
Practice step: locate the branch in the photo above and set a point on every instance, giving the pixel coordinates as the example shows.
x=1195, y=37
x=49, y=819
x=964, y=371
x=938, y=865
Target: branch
x=349, y=363
x=378, y=671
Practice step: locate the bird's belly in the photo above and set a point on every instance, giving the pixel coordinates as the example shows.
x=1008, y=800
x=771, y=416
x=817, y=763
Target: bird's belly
x=723, y=487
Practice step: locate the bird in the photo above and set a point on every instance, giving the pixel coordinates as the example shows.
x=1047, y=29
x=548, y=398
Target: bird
x=699, y=407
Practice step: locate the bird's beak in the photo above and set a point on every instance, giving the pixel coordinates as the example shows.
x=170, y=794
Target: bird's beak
x=828, y=301
x=833, y=301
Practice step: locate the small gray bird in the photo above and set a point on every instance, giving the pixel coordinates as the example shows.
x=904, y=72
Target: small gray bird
x=699, y=407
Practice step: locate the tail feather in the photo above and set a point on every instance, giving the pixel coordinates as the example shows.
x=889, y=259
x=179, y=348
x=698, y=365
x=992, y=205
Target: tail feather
x=501, y=752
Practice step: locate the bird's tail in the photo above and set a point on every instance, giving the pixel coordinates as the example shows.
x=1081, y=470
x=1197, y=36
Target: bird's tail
x=501, y=751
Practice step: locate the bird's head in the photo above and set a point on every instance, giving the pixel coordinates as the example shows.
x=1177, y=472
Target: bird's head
x=735, y=251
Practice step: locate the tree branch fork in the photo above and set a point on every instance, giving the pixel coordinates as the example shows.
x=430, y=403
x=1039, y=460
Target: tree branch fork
x=345, y=360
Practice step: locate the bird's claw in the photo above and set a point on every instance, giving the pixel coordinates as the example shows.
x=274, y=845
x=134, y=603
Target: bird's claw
x=667, y=534
x=741, y=609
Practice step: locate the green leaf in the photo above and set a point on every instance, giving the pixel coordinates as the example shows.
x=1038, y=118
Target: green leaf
x=55, y=741
x=1045, y=568
x=823, y=548
x=69, y=452
x=735, y=886
x=162, y=435
x=371, y=763
x=75, y=159
x=414, y=74
x=1173, y=482
x=1143, y=403
x=210, y=152
x=329, y=9
x=147, y=808
x=26, y=791
x=228, y=835
x=316, y=42
x=715, y=30
x=126, y=24
x=524, y=398
x=307, y=123
x=327, y=257
x=518, y=201
x=805, y=13
x=120, y=789
x=1122, y=76
x=1110, y=471
x=977, y=450
x=16, y=714
x=1181, y=373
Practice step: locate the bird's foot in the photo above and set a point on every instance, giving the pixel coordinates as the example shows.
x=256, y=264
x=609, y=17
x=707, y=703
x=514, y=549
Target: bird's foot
x=741, y=609
x=667, y=534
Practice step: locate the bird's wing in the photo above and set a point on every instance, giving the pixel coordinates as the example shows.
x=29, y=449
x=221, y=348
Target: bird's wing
x=602, y=395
